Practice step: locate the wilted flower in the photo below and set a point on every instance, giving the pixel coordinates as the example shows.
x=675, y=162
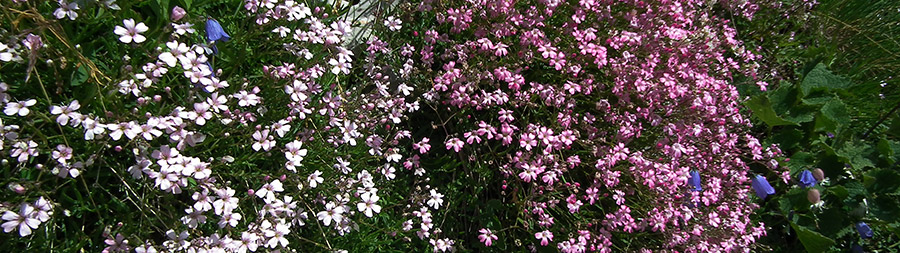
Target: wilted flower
x=807, y=179
x=865, y=232
x=762, y=187
x=695, y=181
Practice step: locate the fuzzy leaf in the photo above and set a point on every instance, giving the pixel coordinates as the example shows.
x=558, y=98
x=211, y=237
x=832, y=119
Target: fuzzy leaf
x=812, y=240
x=821, y=77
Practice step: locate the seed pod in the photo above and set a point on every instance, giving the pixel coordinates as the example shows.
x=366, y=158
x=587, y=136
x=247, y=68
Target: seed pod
x=818, y=174
x=813, y=196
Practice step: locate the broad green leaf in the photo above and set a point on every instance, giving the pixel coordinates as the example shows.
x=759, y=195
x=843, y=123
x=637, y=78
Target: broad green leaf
x=883, y=181
x=800, y=114
x=789, y=138
x=839, y=191
x=784, y=98
x=832, y=220
x=836, y=110
x=812, y=240
x=817, y=98
x=762, y=109
x=885, y=207
x=79, y=76
x=856, y=154
x=821, y=77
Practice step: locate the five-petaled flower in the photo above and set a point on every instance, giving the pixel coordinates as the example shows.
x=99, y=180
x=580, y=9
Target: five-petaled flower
x=131, y=32
x=545, y=236
x=20, y=108
x=486, y=236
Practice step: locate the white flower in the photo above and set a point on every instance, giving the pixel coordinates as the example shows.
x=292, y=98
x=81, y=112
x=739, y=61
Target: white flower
x=6, y=54
x=66, y=113
x=343, y=165
x=277, y=236
x=20, y=107
x=315, y=179
x=66, y=9
x=393, y=23
x=176, y=49
x=131, y=31
x=181, y=29
x=23, y=220
x=263, y=140
x=268, y=190
x=22, y=150
x=436, y=199
x=332, y=213
x=339, y=66
x=368, y=204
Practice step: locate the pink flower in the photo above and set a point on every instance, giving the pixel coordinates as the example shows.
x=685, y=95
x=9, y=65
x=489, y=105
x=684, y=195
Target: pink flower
x=545, y=236
x=486, y=236
x=456, y=144
x=131, y=32
x=422, y=146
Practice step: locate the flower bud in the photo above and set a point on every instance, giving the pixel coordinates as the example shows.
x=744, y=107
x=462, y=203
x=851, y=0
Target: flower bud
x=178, y=13
x=818, y=174
x=17, y=188
x=813, y=196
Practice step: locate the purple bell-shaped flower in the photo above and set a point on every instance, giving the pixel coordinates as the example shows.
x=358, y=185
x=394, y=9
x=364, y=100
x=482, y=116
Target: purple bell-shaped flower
x=807, y=179
x=762, y=187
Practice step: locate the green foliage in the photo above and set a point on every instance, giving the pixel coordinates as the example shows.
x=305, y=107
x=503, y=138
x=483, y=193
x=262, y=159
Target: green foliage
x=817, y=127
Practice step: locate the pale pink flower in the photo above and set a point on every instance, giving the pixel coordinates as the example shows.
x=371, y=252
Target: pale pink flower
x=23, y=220
x=131, y=32
x=20, y=108
x=368, y=205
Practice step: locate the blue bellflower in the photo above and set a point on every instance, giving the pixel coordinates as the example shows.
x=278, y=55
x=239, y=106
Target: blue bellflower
x=214, y=31
x=807, y=179
x=694, y=181
x=865, y=232
x=762, y=187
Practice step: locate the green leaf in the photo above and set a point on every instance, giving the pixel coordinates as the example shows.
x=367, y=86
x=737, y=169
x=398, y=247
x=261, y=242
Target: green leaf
x=812, y=240
x=79, y=76
x=762, y=109
x=832, y=220
x=784, y=98
x=821, y=78
x=836, y=110
x=883, y=181
x=839, y=191
x=789, y=138
x=885, y=207
x=800, y=114
x=187, y=4
x=161, y=8
x=817, y=98
x=886, y=149
x=856, y=154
